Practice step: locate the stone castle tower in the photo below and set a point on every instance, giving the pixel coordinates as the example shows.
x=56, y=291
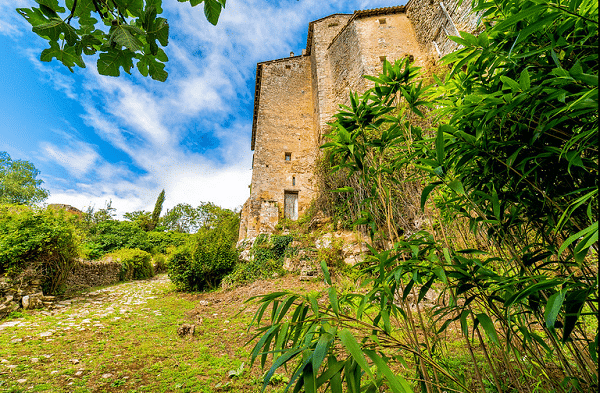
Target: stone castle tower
x=296, y=96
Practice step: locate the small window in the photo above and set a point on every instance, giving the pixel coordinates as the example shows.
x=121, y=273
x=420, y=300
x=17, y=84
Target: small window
x=288, y=67
x=382, y=21
x=288, y=156
x=382, y=58
x=293, y=180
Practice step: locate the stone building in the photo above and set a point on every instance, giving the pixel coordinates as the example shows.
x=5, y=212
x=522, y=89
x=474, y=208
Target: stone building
x=296, y=96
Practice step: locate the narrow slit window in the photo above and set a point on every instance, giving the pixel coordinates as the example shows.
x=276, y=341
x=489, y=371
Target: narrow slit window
x=288, y=156
x=293, y=180
x=382, y=21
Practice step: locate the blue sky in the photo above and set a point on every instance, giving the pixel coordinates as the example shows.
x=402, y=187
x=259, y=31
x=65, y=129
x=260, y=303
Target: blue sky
x=97, y=138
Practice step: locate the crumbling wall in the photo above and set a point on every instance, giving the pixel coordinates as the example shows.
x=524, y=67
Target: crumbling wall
x=87, y=274
x=361, y=48
x=285, y=148
x=434, y=21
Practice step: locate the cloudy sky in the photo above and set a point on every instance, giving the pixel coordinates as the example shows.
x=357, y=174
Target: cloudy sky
x=97, y=138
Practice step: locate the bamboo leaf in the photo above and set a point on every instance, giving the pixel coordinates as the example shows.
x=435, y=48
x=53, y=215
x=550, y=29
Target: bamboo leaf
x=355, y=351
x=553, y=307
x=488, y=326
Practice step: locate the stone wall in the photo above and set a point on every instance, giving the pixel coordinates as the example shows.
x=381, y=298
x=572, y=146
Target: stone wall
x=285, y=148
x=434, y=21
x=88, y=274
x=25, y=291
x=360, y=50
x=296, y=97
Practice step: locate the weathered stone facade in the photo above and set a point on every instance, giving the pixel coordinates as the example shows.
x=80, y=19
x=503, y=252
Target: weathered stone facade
x=295, y=97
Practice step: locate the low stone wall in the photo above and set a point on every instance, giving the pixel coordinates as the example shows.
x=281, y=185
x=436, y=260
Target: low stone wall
x=88, y=274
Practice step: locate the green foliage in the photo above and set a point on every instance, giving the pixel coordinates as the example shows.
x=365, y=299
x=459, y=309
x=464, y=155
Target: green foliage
x=157, y=210
x=266, y=259
x=513, y=158
x=111, y=235
x=159, y=263
x=43, y=240
x=124, y=31
x=161, y=241
x=135, y=263
x=207, y=257
x=141, y=218
x=188, y=219
x=18, y=183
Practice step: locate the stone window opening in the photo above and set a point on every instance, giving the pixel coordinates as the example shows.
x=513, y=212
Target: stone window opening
x=382, y=21
x=293, y=180
x=288, y=156
x=288, y=67
x=382, y=58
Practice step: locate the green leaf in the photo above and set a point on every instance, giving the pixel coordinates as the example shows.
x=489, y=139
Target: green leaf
x=125, y=35
x=212, y=10
x=553, y=307
x=525, y=80
x=489, y=328
x=325, y=270
x=109, y=63
x=333, y=300
x=426, y=191
x=52, y=4
x=591, y=229
x=355, y=351
x=457, y=187
x=320, y=352
x=439, y=146
x=395, y=382
x=50, y=29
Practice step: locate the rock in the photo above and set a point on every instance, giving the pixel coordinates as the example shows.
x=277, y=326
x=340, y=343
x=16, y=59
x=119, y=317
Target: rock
x=23, y=380
x=34, y=360
x=107, y=375
x=46, y=334
x=75, y=361
x=308, y=273
x=32, y=301
x=186, y=330
x=203, y=303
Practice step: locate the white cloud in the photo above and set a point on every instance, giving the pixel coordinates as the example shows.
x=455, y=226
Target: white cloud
x=78, y=159
x=209, y=92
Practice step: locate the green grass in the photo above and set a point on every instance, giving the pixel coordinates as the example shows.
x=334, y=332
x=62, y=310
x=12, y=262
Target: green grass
x=140, y=349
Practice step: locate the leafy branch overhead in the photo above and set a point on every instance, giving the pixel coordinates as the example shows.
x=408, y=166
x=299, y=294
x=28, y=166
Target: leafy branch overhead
x=121, y=32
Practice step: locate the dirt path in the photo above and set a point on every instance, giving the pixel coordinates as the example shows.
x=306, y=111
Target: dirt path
x=123, y=338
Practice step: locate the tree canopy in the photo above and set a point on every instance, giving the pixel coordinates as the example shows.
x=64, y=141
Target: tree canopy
x=19, y=183
x=127, y=32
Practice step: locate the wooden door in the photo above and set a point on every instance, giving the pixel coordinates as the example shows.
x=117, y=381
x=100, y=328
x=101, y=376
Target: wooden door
x=290, y=203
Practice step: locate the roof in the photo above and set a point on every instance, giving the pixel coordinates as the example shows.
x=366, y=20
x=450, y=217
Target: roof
x=355, y=15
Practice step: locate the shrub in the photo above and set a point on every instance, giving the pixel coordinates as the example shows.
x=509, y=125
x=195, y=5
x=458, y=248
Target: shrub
x=111, y=235
x=161, y=241
x=135, y=263
x=201, y=263
x=266, y=258
x=159, y=262
x=44, y=240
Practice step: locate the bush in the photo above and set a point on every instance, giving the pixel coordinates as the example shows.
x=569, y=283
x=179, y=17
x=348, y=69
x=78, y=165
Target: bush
x=112, y=235
x=44, y=240
x=201, y=263
x=161, y=241
x=266, y=258
x=135, y=263
x=159, y=262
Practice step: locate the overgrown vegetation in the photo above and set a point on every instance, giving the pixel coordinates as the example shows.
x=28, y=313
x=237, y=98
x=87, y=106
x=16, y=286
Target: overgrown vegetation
x=508, y=178
x=265, y=260
x=209, y=255
x=41, y=240
x=135, y=263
